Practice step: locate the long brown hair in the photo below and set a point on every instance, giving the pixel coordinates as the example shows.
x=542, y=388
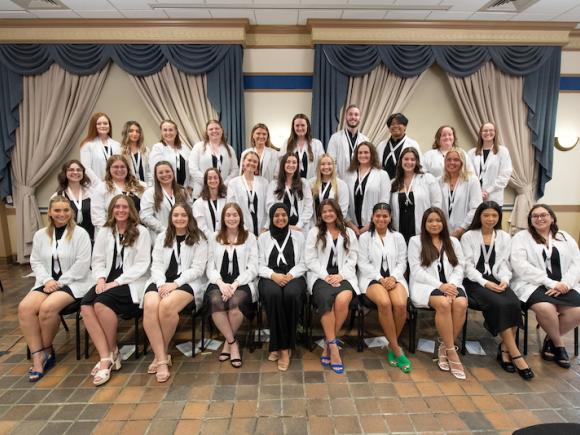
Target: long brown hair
x=177, y=141
x=375, y=162
x=292, y=141
x=70, y=226
x=222, y=190
x=179, y=193
x=222, y=235
x=296, y=179
x=479, y=147
x=554, y=230
x=131, y=231
x=125, y=145
x=269, y=143
x=193, y=234
x=340, y=225
x=436, y=145
x=429, y=253
x=92, y=130
x=132, y=183
x=399, y=180
x=63, y=180
x=223, y=140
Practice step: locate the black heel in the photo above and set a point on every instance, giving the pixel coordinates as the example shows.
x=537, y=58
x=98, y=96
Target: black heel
x=235, y=362
x=526, y=373
x=561, y=357
x=508, y=366
x=548, y=350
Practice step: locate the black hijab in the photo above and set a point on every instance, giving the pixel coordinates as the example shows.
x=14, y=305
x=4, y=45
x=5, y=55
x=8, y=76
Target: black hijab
x=279, y=234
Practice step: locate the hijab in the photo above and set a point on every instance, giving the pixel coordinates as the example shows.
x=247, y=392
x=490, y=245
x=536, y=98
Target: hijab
x=279, y=234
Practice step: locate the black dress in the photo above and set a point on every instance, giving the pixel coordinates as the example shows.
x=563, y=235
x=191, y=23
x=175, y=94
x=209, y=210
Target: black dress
x=500, y=310
x=87, y=222
x=359, y=196
x=283, y=304
x=407, y=215
x=292, y=220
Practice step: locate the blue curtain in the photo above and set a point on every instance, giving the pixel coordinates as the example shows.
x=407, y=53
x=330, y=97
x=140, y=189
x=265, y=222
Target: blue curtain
x=221, y=63
x=540, y=67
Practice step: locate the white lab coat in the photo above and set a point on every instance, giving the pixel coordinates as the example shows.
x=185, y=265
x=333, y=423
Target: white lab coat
x=467, y=199
x=305, y=205
x=338, y=147
x=317, y=259
x=155, y=220
x=193, y=264
x=317, y=151
x=497, y=172
x=203, y=217
x=92, y=156
x=237, y=193
x=423, y=280
x=378, y=189
x=200, y=160
x=247, y=255
x=471, y=244
x=426, y=194
x=74, y=257
x=265, y=246
x=100, y=201
x=370, y=255
x=407, y=142
x=161, y=152
x=269, y=162
x=529, y=269
x=343, y=197
x=136, y=260
x=146, y=168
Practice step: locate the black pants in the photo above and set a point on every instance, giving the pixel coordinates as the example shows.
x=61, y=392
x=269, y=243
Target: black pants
x=283, y=305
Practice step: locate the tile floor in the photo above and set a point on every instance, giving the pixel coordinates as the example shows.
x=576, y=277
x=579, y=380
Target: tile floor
x=205, y=396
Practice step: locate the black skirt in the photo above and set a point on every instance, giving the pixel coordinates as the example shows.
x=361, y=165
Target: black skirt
x=324, y=295
x=65, y=289
x=500, y=310
x=242, y=299
x=185, y=287
x=117, y=299
x=570, y=299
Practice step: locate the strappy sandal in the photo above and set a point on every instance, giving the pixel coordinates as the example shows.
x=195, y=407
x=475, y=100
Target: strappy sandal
x=404, y=363
x=33, y=375
x=325, y=359
x=283, y=365
x=236, y=362
x=455, y=367
x=160, y=376
x=337, y=368
x=224, y=356
x=274, y=356
x=103, y=375
x=117, y=360
x=391, y=358
x=561, y=357
x=50, y=360
x=442, y=360
x=152, y=368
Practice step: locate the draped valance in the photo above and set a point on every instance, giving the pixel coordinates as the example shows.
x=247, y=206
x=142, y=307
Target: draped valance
x=221, y=63
x=540, y=67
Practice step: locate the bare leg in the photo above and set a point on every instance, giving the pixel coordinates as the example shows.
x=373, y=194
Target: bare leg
x=152, y=326
x=28, y=310
x=340, y=308
x=49, y=316
x=443, y=319
x=169, y=309
x=547, y=316
x=379, y=295
x=569, y=318
x=458, y=313
x=509, y=344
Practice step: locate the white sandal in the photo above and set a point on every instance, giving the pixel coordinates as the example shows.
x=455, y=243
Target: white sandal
x=102, y=376
x=456, y=367
x=116, y=364
x=442, y=360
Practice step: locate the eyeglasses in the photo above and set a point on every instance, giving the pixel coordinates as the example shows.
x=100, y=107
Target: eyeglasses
x=74, y=170
x=540, y=216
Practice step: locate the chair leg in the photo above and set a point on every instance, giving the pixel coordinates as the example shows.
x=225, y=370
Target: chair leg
x=63, y=321
x=137, y=337
x=464, y=337
x=361, y=325
x=86, y=344
x=28, y=355
x=202, y=347
x=526, y=319
x=1, y=287
x=576, y=341
x=193, y=335
x=78, y=334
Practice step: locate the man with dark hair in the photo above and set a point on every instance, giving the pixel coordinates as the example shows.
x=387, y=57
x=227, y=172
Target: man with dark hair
x=342, y=143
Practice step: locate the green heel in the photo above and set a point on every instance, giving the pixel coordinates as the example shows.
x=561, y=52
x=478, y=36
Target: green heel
x=404, y=363
x=391, y=358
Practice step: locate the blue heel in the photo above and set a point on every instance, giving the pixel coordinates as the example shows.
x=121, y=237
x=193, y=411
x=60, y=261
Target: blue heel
x=50, y=361
x=325, y=360
x=336, y=368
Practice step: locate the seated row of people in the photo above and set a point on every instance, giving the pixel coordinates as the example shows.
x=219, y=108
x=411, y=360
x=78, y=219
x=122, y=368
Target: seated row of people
x=331, y=263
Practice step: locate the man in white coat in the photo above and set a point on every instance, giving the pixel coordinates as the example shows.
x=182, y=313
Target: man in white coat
x=342, y=143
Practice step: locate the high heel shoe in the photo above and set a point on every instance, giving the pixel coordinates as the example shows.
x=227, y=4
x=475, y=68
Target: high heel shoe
x=561, y=357
x=33, y=375
x=526, y=373
x=325, y=359
x=235, y=362
x=337, y=368
x=103, y=375
x=455, y=367
x=508, y=366
x=548, y=353
x=442, y=360
x=160, y=376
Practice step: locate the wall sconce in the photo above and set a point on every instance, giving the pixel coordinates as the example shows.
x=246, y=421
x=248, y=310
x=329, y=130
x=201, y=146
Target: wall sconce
x=566, y=143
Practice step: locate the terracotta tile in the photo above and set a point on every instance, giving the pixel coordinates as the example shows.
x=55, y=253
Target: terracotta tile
x=373, y=424
x=120, y=411
x=320, y=425
x=334, y=378
x=451, y=388
x=509, y=401
x=245, y=408
x=201, y=393
x=428, y=389
x=318, y=407
x=162, y=427
x=188, y=427
x=130, y=395
x=220, y=409
x=343, y=406
x=109, y=428
x=425, y=422
x=7, y=426
x=314, y=391
x=473, y=387
x=154, y=394
x=462, y=404
x=390, y=405
x=439, y=404
x=170, y=410
x=348, y=424
x=399, y=423
x=524, y=418
x=421, y=375
x=414, y=404
x=451, y=422
x=49, y=381
x=483, y=374
x=500, y=420
x=367, y=406
x=486, y=403
x=106, y=395
x=294, y=407
x=295, y=425
x=336, y=391
x=242, y=426
x=377, y=376
x=406, y=389
x=137, y=427
x=195, y=410
x=269, y=425
x=269, y=407
x=384, y=390
x=548, y=416
x=312, y=365
x=475, y=421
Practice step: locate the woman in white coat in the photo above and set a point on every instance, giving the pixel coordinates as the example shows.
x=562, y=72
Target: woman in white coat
x=172, y=149
x=460, y=191
x=368, y=184
x=158, y=200
x=412, y=192
x=492, y=164
x=294, y=191
x=445, y=139
x=177, y=281
x=134, y=149
x=326, y=185
x=60, y=261
x=487, y=275
x=382, y=262
x=331, y=255
x=436, y=272
x=118, y=181
x=120, y=265
x=249, y=192
x=207, y=209
x=301, y=143
x=267, y=152
x=232, y=269
x=282, y=285
x=98, y=146
x=213, y=152
x=546, y=267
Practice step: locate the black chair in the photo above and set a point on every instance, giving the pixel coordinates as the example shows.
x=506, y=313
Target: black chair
x=1, y=287
x=136, y=317
x=73, y=308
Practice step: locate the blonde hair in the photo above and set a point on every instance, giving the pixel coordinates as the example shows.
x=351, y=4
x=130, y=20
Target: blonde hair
x=70, y=226
x=464, y=173
x=318, y=181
